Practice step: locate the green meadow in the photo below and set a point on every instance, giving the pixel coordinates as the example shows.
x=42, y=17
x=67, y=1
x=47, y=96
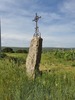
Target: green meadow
x=57, y=81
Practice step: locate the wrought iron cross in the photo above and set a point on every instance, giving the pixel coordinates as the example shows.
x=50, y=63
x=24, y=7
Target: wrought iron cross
x=36, y=28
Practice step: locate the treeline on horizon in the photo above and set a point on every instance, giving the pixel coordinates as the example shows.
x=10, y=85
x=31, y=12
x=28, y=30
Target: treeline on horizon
x=26, y=49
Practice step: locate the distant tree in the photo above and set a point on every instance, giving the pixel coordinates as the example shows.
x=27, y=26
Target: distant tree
x=8, y=49
x=21, y=51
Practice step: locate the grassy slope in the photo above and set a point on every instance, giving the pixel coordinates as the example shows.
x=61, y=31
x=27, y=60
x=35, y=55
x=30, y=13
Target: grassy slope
x=56, y=83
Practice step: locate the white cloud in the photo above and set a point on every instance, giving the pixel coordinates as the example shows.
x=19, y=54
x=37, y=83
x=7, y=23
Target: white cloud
x=19, y=40
x=57, y=27
x=13, y=36
x=68, y=7
x=59, y=41
x=49, y=17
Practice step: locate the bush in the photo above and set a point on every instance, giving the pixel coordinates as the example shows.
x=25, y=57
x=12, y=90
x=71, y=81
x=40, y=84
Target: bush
x=3, y=55
x=7, y=49
x=21, y=51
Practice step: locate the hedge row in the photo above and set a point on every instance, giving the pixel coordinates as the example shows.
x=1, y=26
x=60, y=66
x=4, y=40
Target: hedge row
x=10, y=50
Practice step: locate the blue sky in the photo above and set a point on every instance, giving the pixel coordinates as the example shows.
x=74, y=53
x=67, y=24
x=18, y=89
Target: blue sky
x=57, y=24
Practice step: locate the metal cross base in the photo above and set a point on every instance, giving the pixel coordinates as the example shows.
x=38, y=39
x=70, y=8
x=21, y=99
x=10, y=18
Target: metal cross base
x=37, y=33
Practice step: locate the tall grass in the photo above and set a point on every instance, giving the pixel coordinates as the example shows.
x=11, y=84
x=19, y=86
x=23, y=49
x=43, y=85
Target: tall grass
x=56, y=84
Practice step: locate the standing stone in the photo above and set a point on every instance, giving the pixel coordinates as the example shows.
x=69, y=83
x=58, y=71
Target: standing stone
x=35, y=50
x=34, y=57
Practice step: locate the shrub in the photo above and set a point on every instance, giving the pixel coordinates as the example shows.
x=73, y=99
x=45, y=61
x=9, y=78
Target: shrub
x=8, y=49
x=73, y=65
x=21, y=51
x=3, y=55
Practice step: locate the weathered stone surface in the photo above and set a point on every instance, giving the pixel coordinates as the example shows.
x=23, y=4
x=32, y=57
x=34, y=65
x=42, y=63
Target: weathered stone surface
x=34, y=56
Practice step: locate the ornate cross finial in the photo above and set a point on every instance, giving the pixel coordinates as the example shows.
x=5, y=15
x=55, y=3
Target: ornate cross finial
x=36, y=28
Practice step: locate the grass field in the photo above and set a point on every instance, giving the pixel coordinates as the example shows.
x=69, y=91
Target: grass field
x=56, y=83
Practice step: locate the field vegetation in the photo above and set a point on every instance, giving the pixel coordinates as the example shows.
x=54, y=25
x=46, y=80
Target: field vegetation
x=57, y=81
